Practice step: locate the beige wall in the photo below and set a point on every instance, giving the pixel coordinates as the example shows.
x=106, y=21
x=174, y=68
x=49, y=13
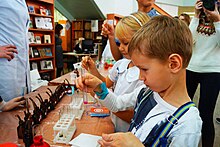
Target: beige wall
x=186, y=9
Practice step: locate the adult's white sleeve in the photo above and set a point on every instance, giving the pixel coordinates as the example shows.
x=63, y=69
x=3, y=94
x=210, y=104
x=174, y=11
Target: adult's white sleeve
x=193, y=27
x=217, y=29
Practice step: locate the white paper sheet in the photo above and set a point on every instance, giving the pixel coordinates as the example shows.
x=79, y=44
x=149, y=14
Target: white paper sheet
x=85, y=140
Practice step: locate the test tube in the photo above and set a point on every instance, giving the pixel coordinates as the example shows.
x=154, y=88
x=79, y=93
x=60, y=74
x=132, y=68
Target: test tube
x=73, y=100
x=85, y=98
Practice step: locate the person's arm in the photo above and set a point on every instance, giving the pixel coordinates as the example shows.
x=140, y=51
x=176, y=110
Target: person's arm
x=108, y=82
x=7, y=51
x=114, y=49
x=109, y=99
x=90, y=66
x=108, y=30
x=214, y=15
x=195, y=21
x=126, y=115
x=120, y=139
x=6, y=106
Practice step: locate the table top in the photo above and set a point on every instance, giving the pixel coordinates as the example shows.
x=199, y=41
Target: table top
x=88, y=124
x=60, y=80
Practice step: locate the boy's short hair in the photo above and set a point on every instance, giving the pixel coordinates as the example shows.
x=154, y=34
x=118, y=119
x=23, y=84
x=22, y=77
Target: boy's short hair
x=161, y=37
x=128, y=25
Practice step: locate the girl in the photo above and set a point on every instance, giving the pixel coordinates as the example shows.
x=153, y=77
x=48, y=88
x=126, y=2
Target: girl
x=123, y=75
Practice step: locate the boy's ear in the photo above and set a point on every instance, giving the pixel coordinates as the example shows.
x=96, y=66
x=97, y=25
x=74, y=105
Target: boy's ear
x=175, y=62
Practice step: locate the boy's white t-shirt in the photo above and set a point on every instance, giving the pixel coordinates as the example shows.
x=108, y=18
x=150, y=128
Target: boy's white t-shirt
x=186, y=133
x=126, y=80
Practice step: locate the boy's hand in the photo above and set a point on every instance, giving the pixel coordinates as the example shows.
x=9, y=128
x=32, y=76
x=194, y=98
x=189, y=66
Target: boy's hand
x=198, y=8
x=87, y=82
x=15, y=102
x=7, y=51
x=107, y=29
x=120, y=139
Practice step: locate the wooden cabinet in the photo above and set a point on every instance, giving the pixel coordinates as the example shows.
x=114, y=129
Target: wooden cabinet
x=114, y=18
x=41, y=37
x=82, y=28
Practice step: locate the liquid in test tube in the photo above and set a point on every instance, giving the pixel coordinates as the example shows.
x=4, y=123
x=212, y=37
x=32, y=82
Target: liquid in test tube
x=85, y=98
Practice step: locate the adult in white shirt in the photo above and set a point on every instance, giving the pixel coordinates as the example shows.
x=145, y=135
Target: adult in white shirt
x=204, y=66
x=15, y=74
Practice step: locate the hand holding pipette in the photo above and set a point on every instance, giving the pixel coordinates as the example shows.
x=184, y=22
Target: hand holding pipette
x=90, y=81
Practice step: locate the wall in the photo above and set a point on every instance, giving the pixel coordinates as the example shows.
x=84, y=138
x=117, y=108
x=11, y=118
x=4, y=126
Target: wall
x=125, y=7
x=170, y=2
x=115, y=6
x=170, y=9
x=189, y=2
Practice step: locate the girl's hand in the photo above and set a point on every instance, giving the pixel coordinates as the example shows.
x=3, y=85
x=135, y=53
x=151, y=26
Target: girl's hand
x=107, y=29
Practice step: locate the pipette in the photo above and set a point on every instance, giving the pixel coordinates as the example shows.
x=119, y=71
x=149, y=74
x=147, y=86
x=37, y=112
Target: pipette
x=85, y=98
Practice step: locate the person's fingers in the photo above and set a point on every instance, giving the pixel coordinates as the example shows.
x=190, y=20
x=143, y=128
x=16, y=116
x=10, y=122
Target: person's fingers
x=84, y=65
x=7, y=57
x=11, y=50
x=100, y=142
x=11, y=54
x=79, y=83
x=22, y=102
x=18, y=99
x=10, y=46
x=105, y=21
x=107, y=137
x=104, y=143
x=199, y=6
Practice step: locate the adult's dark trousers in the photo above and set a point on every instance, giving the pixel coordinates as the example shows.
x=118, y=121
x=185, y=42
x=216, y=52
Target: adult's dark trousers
x=209, y=90
x=59, y=71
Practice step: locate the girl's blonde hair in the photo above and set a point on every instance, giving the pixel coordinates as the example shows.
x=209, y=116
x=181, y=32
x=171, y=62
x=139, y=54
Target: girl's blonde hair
x=128, y=25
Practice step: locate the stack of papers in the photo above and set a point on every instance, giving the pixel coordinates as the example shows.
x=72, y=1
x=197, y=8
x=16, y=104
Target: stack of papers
x=85, y=140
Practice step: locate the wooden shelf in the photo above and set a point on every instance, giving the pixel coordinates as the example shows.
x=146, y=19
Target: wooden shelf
x=78, y=30
x=43, y=44
x=114, y=17
x=41, y=58
x=39, y=15
x=42, y=30
x=34, y=48
x=82, y=28
x=47, y=1
x=44, y=71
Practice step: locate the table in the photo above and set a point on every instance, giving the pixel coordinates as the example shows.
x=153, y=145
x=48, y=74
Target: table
x=60, y=80
x=90, y=125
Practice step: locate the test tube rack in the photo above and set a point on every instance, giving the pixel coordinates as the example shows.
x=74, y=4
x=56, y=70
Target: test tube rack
x=77, y=107
x=64, y=129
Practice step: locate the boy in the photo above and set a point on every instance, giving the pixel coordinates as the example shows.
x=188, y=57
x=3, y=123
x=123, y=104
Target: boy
x=161, y=49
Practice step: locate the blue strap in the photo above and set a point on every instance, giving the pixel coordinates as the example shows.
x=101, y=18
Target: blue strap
x=171, y=121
